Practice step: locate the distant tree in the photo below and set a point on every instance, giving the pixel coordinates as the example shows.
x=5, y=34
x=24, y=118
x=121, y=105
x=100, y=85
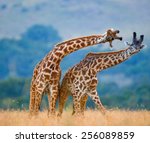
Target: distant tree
x=14, y=87
x=18, y=57
x=42, y=33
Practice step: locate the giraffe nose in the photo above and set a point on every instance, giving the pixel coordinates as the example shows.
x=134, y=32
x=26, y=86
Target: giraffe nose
x=120, y=38
x=117, y=31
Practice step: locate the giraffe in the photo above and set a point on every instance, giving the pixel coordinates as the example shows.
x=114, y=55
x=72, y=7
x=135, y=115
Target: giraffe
x=47, y=72
x=81, y=80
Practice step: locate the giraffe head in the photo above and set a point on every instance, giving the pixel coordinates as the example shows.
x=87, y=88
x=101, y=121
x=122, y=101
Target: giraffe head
x=111, y=35
x=136, y=45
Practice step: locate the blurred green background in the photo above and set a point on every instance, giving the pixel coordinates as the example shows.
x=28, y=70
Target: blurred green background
x=29, y=29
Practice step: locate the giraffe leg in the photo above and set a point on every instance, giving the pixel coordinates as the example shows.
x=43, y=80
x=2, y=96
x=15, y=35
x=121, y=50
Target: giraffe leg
x=38, y=100
x=32, y=99
x=36, y=97
x=94, y=95
x=83, y=103
x=73, y=110
x=52, y=99
x=32, y=90
x=62, y=100
x=76, y=105
x=49, y=100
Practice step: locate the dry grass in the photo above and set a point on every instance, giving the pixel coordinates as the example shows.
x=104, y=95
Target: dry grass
x=91, y=118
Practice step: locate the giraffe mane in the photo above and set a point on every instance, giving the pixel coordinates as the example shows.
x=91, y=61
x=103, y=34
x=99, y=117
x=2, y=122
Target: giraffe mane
x=80, y=38
x=102, y=53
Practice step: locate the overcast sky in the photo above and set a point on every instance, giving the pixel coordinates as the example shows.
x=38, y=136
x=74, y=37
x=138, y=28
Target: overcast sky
x=73, y=18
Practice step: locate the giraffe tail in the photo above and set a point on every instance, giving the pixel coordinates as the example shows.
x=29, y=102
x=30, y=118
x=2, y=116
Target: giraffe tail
x=62, y=97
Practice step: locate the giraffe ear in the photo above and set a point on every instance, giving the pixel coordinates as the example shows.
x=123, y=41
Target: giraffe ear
x=141, y=38
x=134, y=37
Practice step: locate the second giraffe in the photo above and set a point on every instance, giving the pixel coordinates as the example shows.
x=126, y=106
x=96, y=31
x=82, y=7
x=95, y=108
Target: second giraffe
x=81, y=81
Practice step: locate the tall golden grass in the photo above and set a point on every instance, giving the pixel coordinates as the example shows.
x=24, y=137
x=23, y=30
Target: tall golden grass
x=91, y=118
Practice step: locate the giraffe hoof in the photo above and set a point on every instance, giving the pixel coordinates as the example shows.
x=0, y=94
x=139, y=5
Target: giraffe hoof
x=59, y=115
x=51, y=114
x=104, y=111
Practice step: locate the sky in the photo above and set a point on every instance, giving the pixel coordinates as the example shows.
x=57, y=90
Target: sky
x=74, y=18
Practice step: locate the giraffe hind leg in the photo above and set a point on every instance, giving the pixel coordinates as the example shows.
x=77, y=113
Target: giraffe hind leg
x=32, y=99
x=62, y=100
x=35, y=99
x=76, y=105
x=83, y=103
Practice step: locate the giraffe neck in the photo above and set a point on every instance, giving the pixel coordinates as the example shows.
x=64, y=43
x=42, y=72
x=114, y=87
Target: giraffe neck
x=101, y=61
x=63, y=49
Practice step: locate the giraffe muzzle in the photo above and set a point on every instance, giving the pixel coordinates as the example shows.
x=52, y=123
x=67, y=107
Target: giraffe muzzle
x=117, y=31
x=120, y=38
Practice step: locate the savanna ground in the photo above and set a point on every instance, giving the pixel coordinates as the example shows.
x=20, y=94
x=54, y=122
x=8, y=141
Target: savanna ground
x=92, y=118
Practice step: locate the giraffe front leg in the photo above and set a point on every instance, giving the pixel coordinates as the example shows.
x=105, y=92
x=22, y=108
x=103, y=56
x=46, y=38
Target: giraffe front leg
x=35, y=99
x=39, y=90
x=76, y=105
x=38, y=99
x=94, y=95
x=82, y=105
x=52, y=99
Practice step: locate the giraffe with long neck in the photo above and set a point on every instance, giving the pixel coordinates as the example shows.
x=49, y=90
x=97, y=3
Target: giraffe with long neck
x=81, y=80
x=47, y=73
